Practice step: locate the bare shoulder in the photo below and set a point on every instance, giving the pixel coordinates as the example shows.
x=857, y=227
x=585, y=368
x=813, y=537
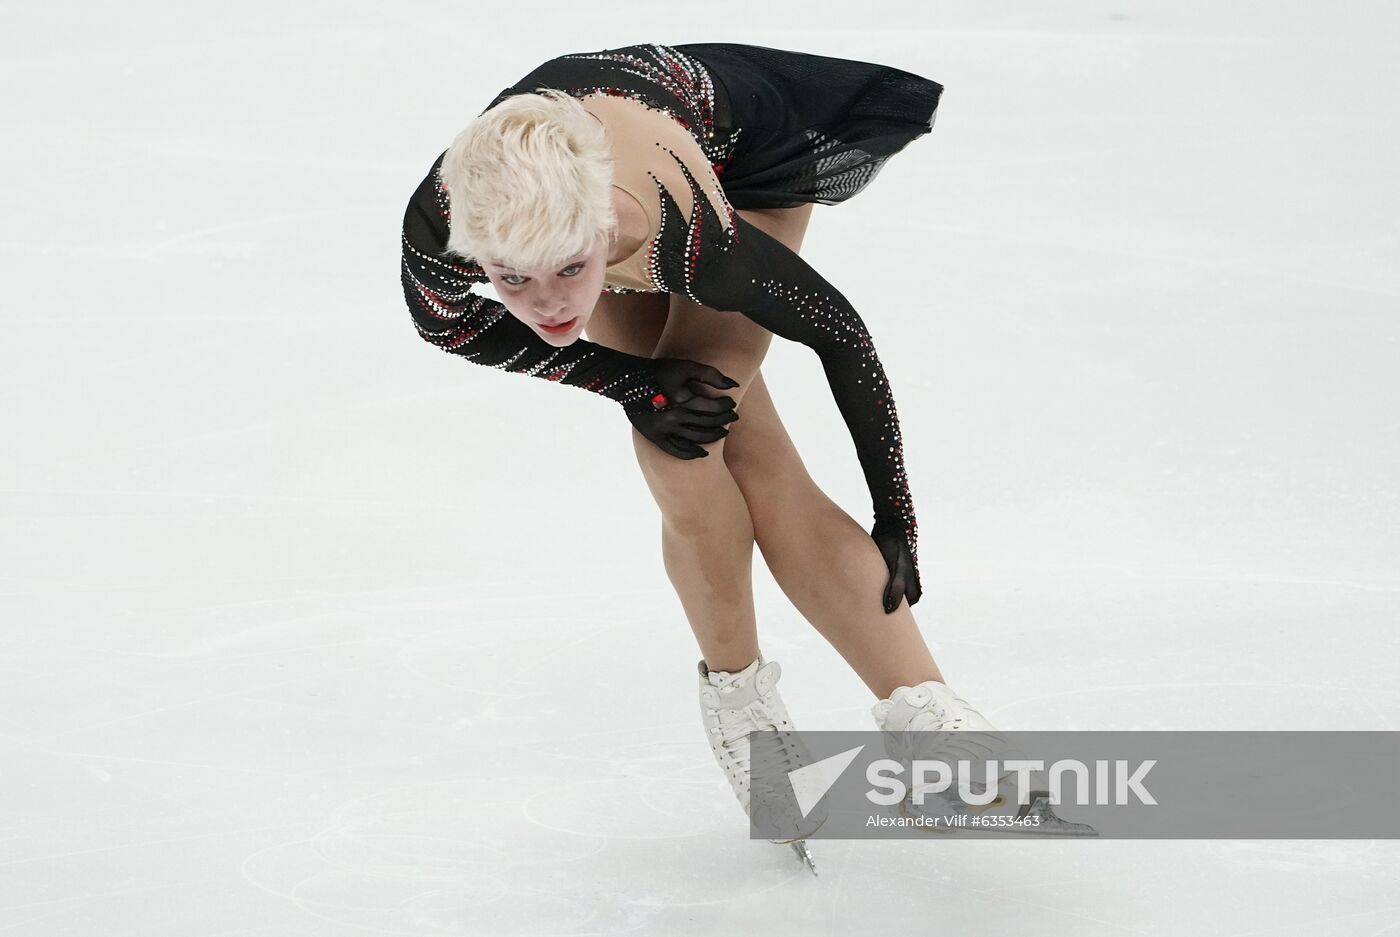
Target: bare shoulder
x=633, y=228
x=654, y=156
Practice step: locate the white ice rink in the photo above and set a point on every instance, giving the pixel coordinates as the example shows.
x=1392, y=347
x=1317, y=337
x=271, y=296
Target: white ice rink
x=304, y=636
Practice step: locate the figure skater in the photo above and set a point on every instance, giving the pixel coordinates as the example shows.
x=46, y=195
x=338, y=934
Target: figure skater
x=655, y=199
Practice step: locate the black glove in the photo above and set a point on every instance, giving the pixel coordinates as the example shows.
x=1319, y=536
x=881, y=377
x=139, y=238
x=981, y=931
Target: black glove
x=904, y=571
x=682, y=416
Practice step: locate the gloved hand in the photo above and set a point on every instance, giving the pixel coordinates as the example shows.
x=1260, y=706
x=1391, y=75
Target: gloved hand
x=682, y=416
x=904, y=572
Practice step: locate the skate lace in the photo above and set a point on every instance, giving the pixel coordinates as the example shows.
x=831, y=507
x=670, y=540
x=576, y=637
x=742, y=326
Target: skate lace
x=760, y=716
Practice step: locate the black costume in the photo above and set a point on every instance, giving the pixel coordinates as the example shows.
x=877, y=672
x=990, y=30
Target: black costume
x=777, y=129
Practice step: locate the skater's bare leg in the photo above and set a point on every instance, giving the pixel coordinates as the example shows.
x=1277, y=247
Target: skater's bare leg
x=706, y=535
x=707, y=529
x=822, y=559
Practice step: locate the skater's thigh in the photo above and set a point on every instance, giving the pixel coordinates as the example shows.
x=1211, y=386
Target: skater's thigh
x=729, y=341
x=761, y=454
x=628, y=322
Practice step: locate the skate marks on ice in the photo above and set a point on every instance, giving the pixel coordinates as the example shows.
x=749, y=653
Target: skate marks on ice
x=1168, y=652
x=1238, y=705
x=430, y=859
x=475, y=856
x=549, y=812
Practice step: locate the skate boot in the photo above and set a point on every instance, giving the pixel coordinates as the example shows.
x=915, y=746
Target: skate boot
x=930, y=721
x=733, y=705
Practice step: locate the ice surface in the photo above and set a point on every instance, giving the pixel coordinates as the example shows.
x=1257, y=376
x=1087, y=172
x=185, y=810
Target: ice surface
x=292, y=646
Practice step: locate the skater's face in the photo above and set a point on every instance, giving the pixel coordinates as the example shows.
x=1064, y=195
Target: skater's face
x=561, y=296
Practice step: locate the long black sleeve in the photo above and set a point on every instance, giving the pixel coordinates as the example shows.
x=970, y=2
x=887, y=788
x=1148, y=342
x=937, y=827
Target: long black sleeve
x=447, y=313
x=744, y=269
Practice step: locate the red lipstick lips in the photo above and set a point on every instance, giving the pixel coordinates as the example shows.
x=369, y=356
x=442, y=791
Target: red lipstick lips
x=559, y=329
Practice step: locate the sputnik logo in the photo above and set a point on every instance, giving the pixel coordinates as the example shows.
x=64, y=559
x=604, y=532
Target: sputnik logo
x=811, y=782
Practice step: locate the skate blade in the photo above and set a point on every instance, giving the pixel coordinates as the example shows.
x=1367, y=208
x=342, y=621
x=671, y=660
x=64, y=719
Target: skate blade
x=799, y=845
x=804, y=855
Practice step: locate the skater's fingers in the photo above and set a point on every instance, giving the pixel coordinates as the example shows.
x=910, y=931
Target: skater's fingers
x=670, y=448
x=702, y=403
x=685, y=448
x=699, y=433
x=899, y=560
x=690, y=417
x=703, y=391
x=704, y=433
x=714, y=377
x=894, y=591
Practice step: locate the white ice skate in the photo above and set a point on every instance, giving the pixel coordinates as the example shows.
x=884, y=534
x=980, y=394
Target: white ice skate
x=733, y=705
x=930, y=721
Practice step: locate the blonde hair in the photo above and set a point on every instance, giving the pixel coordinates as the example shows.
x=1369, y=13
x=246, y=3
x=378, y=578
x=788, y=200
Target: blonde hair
x=529, y=182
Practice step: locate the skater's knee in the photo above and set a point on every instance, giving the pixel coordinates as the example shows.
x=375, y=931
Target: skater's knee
x=691, y=493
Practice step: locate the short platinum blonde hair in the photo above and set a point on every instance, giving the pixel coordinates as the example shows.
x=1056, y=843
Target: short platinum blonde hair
x=529, y=182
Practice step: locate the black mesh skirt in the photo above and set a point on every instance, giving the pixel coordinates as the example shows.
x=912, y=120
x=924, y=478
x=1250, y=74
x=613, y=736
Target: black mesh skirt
x=809, y=128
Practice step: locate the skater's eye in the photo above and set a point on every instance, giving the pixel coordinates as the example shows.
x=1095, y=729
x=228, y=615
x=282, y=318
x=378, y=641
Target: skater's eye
x=511, y=279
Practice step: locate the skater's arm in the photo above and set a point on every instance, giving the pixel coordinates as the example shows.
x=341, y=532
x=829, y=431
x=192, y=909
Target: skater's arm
x=746, y=270
x=656, y=393
x=448, y=313
x=481, y=330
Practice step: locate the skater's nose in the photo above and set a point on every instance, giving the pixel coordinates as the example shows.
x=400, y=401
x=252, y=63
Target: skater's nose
x=551, y=307
x=551, y=318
